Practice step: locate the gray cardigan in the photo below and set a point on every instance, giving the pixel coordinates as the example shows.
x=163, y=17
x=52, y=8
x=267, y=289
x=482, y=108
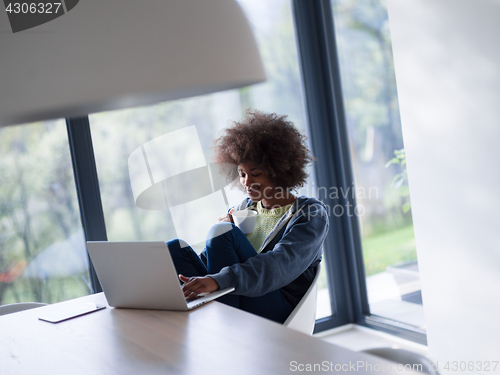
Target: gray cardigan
x=288, y=257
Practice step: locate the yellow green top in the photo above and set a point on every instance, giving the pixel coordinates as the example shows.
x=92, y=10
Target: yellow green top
x=264, y=224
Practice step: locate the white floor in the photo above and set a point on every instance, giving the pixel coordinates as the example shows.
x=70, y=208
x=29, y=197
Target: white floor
x=384, y=296
x=357, y=338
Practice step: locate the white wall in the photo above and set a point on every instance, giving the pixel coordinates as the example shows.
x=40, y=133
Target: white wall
x=447, y=55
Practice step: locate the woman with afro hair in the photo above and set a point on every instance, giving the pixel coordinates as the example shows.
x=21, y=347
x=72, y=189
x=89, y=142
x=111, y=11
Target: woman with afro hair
x=272, y=267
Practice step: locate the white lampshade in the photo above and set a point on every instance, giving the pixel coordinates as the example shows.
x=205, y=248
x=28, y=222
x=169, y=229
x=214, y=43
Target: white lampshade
x=105, y=55
x=170, y=172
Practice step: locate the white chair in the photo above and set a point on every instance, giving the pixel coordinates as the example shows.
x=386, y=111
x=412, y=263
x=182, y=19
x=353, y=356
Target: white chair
x=16, y=307
x=303, y=317
x=416, y=362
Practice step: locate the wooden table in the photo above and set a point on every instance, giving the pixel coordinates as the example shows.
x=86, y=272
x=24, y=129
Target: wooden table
x=213, y=339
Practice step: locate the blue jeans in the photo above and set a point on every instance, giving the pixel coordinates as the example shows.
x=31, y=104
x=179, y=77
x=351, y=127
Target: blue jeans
x=223, y=250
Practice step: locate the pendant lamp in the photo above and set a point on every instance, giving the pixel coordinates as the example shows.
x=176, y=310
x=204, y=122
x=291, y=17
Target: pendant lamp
x=105, y=55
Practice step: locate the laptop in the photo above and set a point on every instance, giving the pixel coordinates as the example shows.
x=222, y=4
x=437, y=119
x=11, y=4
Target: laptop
x=141, y=275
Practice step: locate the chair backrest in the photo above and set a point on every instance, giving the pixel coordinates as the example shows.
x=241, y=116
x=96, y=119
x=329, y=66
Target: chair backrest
x=16, y=307
x=303, y=317
x=416, y=361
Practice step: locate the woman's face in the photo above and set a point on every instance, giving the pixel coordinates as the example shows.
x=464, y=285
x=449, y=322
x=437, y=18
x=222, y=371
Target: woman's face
x=256, y=182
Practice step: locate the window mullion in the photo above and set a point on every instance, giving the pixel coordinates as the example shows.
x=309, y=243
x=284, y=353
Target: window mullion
x=87, y=185
x=320, y=72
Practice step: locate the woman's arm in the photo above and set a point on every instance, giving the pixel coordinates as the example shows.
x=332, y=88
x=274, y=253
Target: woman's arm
x=194, y=286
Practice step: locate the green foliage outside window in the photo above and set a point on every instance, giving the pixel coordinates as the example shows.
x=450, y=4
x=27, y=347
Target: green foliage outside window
x=400, y=180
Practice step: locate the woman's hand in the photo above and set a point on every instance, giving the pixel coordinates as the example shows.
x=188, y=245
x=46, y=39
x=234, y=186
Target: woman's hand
x=194, y=286
x=227, y=217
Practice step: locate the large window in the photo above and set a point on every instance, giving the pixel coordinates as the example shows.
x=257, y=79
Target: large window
x=180, y=134
x=42, y=252
x=42, y=248
x=378, y=160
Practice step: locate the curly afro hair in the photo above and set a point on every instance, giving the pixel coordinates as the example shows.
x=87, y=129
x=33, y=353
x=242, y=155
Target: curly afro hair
x=270, y=142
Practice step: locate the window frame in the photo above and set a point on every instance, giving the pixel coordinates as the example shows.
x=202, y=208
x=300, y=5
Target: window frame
x=87, y=186
x=318, y=60
x=319, y=63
